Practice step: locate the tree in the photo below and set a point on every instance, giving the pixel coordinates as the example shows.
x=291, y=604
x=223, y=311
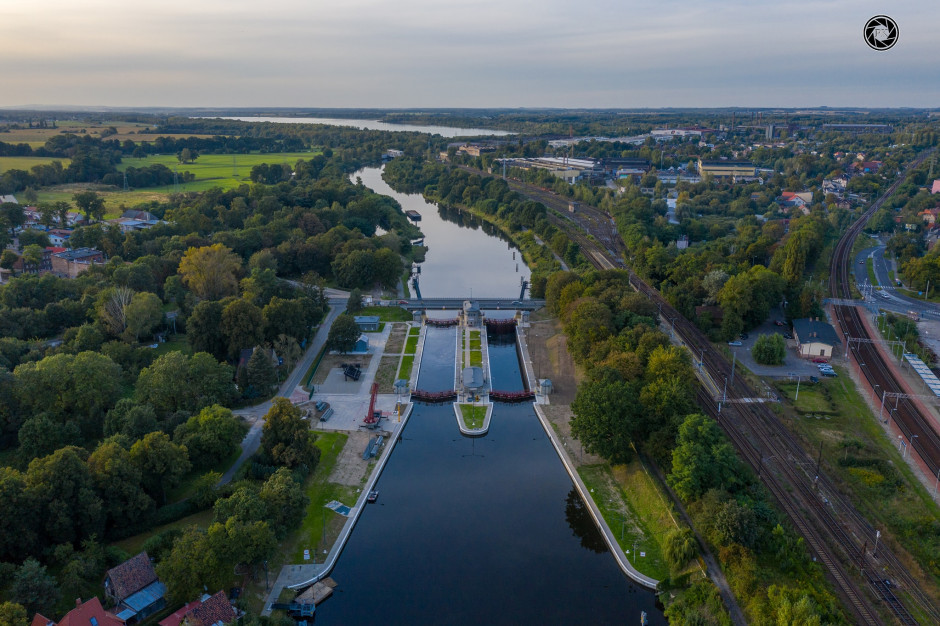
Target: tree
x=13, y=215
x=354, y=303
x=387, y=267
x=130, y=419
x=702, y=459
x=112, y=308
x=204, y=329
x=32, y=255
x=191, y=566
x=285, y=501
x=769, y=349
x=211, y=271
x=12, y=614
x=286, y=439
x=606, y=418
x=69, y=508
x=161, y=462
x=343, y=334
x=89, y=203
x=288, y=349
x=242, y=326
x=679, y=548
x=261, y=375
x=176, y=382
x=143, y=315
x=118, y=479
x=34, y=588
x=17, y=530
x=210, y=436
x=61, y=209
x=185, y=155
x=8, y=258
x=237, y=542
x=40, y=435
x=284, y=317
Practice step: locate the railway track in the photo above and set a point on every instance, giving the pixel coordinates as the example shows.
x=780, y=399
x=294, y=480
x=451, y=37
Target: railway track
x=838, y=535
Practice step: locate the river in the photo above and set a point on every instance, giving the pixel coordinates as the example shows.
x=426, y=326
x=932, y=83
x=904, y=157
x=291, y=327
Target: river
x=484, y=530
x=443, y=131
x=465, y=254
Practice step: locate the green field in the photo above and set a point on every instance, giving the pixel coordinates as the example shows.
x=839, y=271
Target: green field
x=132, y=545
x=414, y=331
x=215, y=170
x=387, y=313
x=869, y=265
x=476, y=358
x=411, y=345
x=473, y=415
x=813, y=397
x=406, y=364
x=27, y=163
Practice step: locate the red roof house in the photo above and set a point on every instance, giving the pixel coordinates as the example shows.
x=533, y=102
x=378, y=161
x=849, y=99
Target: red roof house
x=90, y=613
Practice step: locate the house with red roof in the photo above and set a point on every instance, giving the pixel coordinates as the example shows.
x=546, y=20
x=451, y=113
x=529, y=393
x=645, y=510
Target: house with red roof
x=90, y=613
x=930, y=216
x=135, y=589
x=214, y=610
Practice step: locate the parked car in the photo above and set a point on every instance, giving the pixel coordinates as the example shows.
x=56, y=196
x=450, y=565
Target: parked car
x=819, y=359
x=735, y=343
x=829, y=373
x=814, y=379
x=402, y=302
x=787, y=336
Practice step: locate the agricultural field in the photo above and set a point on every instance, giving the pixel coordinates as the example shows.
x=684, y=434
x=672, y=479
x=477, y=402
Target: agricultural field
x=27, y=163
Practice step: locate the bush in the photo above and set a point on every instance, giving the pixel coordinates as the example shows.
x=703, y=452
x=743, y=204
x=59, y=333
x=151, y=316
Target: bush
x=770, y=349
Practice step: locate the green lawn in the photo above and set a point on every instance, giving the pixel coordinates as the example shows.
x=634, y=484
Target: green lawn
x=179, y=343
x=404, y=371
x=643, y=517
x=27, y=163
x=215, y=170
x=813, y=397
x=387, y=313
x=473, y=415
x=414, y=331
x=475, y=343
x=869, y=265
x=132, y=545
x=411, y=346
x=476, y=358
x=320, y=491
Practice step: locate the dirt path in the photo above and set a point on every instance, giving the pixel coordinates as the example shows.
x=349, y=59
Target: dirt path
x=350, y=469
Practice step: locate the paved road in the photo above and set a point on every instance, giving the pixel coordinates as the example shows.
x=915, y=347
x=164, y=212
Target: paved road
x=892, y=299
x=255, y=413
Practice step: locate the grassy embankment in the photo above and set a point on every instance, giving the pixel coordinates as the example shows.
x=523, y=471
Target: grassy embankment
x=870, y=268
x=866, y=466
x=473, y=415
x=635, y=510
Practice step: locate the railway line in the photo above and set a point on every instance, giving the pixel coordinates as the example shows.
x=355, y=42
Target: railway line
x=836, y=533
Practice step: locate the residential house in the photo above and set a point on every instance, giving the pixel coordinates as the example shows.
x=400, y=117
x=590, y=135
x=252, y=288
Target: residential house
x=71, y=263
x=866, y=167
x=814, y=339
x=835, y=186
x=214, y=610
x=8, y=198
x=930, y=216
x=935, y=188
x=135, y=589
x=89, y=613
x=59, y=236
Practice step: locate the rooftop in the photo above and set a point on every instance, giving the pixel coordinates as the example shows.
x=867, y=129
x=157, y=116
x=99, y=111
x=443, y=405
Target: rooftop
x=131, y=576
x=811, y=329
x=79, y=254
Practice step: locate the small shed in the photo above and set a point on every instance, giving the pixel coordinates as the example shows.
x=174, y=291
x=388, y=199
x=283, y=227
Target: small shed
x=814, y=338
x=362, y=345
x=545, y=386
x=367, y=323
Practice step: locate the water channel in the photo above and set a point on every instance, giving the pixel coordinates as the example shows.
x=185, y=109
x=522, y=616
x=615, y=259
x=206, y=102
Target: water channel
x=484, y=530
x=465, y=254
x=443, y=131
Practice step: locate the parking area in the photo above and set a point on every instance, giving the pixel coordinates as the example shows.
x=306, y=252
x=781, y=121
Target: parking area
x=793, y=365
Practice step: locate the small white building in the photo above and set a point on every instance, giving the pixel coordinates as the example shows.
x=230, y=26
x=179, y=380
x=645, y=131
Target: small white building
x=814, y=339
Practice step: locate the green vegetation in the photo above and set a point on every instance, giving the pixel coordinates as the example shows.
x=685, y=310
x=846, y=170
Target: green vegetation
x=311, y=533
x=473, y=415
x=870, y=268
x=867, y=467
x=414, y=331
x=814, y=398
x=27, y=163
x=133, y=545
x=475, y=340
x=404, y=370
x=637, y=518
x=392, y=313
x=476, y=358
x=770, y=349
x=411, y=346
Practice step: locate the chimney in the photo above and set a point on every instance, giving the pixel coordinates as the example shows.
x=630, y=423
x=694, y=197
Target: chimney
x=78, y=602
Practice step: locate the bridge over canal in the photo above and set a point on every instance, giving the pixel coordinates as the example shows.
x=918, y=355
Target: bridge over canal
x=420, y=304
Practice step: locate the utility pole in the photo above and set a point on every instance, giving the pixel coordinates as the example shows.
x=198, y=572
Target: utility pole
x=734, y=361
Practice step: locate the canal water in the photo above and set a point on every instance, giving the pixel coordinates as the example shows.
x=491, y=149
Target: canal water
x=443, y=131
x=484, y=530
x=465, y=254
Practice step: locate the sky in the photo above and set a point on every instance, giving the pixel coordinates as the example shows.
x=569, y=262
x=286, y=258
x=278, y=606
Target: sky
x=463, y=53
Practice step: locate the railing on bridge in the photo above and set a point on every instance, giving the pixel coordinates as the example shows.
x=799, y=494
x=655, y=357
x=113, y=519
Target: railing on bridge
x=511, y=396
x=442, y=323
x=433, y=396
x=500, y=327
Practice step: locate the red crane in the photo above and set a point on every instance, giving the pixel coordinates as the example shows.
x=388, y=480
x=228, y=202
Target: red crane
x=371, y=417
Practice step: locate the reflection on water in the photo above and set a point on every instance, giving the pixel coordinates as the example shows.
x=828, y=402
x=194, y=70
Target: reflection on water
x=443, y=131
x=582, y=524
x=465, y=255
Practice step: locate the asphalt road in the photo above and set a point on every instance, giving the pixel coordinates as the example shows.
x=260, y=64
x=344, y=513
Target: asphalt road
x=254, y=414
x=891, y=300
